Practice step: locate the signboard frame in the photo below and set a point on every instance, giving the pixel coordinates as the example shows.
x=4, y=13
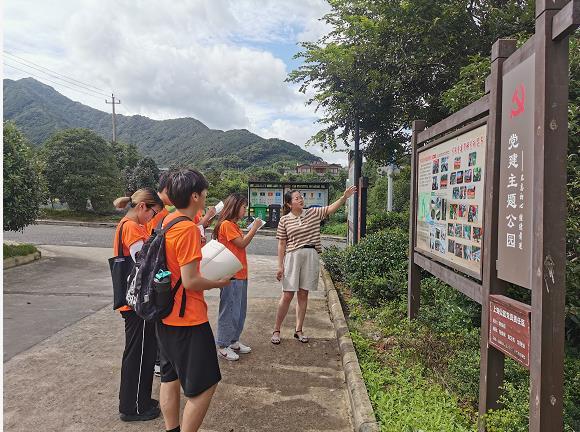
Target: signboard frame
x=555, y=21
x=430, y=147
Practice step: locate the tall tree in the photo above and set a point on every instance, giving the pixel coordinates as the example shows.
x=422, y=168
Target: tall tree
x=24, y=187
x=80, y=165
x=145, y=174
x=385, y=63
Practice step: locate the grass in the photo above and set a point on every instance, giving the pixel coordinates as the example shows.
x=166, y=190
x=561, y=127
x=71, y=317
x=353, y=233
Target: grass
x=401, y=368
x=403, y=399
x=70, y=215
x=334, y=228
x=18, y=250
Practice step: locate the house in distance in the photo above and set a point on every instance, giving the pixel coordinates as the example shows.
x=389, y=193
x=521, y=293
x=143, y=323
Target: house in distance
x=320, y=168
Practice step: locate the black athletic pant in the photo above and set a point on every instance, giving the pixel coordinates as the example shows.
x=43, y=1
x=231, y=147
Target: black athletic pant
x=138, y=362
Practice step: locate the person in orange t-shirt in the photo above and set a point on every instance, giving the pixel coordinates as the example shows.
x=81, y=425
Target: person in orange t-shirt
x=200, y=219
x=135, y=402
x=186, y=342
x=168, y=206
x=234, y=297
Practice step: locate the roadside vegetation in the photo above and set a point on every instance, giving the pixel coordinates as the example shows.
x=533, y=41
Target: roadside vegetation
x=424, y=375
x=10, y=250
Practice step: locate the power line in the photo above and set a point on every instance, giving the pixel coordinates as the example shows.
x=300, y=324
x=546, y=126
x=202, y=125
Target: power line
x=69, y=82
x=53, y=71
x=46, y=79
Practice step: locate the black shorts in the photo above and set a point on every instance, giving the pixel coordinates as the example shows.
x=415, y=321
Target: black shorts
x=188, y=354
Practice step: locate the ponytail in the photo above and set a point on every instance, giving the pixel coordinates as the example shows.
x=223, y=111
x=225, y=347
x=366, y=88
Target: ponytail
x=122, y=202
x=146, y=195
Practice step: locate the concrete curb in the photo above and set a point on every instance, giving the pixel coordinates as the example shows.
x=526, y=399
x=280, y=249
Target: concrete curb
x=262, y=232
x=363, y=417
x=20, y=260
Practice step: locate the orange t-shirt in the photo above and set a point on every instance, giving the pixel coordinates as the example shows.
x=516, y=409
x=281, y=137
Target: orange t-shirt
x=228, y=232
x=183, y=246
x=152, y=224
x=132, y=233
x=198, y=217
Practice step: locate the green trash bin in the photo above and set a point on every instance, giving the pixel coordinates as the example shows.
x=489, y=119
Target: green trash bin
x=260, y=211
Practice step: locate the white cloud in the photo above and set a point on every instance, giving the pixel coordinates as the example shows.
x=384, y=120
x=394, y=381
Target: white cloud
x=219, y=61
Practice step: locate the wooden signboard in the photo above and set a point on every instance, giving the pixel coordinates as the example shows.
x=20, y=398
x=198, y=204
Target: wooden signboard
x=509, y=328
x=522, y=120
x=516, y=174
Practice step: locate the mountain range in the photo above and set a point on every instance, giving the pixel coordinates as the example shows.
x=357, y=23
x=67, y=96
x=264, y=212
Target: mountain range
x=39, y=111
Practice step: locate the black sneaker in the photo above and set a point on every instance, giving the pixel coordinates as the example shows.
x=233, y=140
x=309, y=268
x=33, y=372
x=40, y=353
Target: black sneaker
x=150, y=414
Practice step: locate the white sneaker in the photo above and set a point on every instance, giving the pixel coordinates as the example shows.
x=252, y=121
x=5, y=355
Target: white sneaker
x=228, y=354
x=241, y=348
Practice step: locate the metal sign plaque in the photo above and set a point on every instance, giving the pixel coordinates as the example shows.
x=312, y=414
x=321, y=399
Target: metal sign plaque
x=514, y=256
x=450, y=192
x=509, y=328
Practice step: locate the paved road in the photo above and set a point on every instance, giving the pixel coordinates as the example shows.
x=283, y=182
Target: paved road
x=103, y=237
x=63, y=344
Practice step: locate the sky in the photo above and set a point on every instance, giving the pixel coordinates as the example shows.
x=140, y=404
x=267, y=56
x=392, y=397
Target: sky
x=221, y=62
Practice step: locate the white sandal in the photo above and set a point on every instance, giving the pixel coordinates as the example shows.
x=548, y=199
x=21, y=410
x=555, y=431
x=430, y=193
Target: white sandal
x=275, y=339
x=300, y=337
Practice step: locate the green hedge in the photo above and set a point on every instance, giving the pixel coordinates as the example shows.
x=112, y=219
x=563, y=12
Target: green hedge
x=18, y=250
x=385, y=220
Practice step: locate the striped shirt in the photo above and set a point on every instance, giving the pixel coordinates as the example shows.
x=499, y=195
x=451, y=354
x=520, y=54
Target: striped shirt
x=299, y=231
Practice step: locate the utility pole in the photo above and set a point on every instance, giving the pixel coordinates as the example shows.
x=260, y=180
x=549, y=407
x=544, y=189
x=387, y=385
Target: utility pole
x=357, y=173
x=114, y=120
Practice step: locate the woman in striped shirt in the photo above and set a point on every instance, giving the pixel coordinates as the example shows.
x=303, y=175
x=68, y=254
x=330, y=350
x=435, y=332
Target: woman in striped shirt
x=298, y=248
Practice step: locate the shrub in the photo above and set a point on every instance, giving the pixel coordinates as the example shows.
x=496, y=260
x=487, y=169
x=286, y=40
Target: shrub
x=385, y=220
x=446, y=309
x=24, y=187
x=18, y=250
x=333, y=258
x=379, y=260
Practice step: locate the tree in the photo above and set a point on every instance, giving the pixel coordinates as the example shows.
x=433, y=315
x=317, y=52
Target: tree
x=80, y=165
x=127, y=155
x=145, y=174
x=24, y=187
x=386, y=63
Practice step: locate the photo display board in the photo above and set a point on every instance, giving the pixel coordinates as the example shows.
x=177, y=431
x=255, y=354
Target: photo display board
x=266, y=195
x=312, y=196
x=450, y=192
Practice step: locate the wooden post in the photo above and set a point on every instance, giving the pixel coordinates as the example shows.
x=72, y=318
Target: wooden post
x=414, y=284
x=491, y=360
x=548, y=283
x=363, y=184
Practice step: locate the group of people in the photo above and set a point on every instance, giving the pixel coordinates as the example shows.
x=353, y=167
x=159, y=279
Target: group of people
x=183, y=342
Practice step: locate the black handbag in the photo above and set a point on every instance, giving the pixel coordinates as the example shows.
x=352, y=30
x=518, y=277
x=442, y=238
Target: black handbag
x=121, y=267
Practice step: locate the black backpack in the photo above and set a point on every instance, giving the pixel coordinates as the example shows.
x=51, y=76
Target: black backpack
x=151, y=259
x=121, y=267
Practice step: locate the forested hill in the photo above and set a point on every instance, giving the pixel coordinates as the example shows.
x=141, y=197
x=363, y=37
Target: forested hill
x=38, y=110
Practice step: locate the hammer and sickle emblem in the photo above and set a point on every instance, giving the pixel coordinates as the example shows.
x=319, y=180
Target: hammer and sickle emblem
x=518, y=98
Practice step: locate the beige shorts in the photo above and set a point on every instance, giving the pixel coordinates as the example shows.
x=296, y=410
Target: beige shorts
x=301, y=270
